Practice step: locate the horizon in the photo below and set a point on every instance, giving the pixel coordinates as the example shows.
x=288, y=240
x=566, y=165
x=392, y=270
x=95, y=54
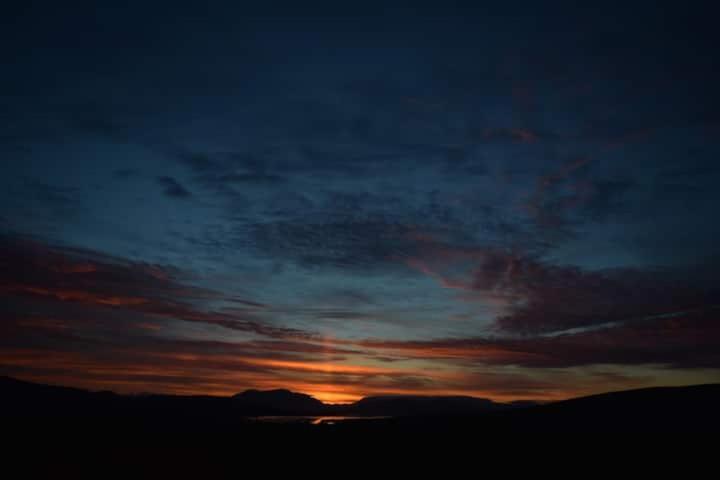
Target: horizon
x=408, y=396
x=504, y=202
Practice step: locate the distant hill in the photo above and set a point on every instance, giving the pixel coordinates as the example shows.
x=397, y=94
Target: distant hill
x=278, y=402
x=251, y=403
x=407, y=405
x=30, y=407
x=690, y=408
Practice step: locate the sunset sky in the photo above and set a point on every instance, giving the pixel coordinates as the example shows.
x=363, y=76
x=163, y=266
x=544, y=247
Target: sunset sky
x=513, y=202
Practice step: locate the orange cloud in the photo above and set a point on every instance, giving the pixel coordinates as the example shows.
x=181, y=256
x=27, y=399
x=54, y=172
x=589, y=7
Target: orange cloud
x=76, y=295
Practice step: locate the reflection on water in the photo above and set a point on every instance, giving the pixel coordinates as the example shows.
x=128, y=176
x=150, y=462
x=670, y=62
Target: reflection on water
x=313, y=420
x=334, y=420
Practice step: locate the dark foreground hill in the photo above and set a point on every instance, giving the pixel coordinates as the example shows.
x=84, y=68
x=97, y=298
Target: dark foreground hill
x=37, y=400
x=43, y=411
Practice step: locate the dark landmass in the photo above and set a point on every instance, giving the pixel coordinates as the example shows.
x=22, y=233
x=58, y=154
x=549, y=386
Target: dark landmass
x=402, y=405
x=26, y=399
x=44, y=410
x=276, y=402
x=51, y=430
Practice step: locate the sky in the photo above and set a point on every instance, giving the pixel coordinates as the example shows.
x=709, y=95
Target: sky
x=512, y=201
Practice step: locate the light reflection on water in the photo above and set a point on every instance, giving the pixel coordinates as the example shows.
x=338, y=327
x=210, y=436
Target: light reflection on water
x=313, y=420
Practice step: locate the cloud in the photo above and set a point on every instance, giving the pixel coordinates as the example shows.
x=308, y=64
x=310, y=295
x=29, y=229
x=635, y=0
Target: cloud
x=110, y=323
x=251, y=178
x=173, y=188
x=142, y=364
x=559, y=194
x=532, y=296
x=607, y=198
x=348, y=243
x=556, y=298
x=47, y=206
x=98, y=120
x=126, y=173
x=520, y=135
x=53, y=279
x=196, y=161
x=687, y=340
x=61, y=198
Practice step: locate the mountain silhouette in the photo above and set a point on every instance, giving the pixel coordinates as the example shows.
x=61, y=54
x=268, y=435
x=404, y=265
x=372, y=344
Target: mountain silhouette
x=410, y=405
x=689, y=408
x=278, y=402
x=44, y=409
x=46, y=398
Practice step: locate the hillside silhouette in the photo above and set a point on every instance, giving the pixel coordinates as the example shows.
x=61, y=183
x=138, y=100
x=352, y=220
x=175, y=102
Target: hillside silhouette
x=32, y=408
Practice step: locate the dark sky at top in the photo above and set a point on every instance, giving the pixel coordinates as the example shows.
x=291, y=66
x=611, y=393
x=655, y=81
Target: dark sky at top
x=508, y=201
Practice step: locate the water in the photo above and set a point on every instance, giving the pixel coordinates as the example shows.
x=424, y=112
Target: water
x=313, y=420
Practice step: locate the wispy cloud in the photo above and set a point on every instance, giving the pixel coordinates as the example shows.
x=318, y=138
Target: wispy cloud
x=173, y=188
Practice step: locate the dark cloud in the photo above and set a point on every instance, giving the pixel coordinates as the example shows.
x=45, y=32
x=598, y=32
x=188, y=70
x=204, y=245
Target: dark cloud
x=553, y=298
x=346, y=242
x=173, y=188
x=693, y=171
x=97, y=120
x=522, y=135
x=56, y=204
x=252, y=178
x=539, y=297
x=58, y=277
x=197, y=162
x=674, y=340
x=606, y=199
x=558, y=194
x=14, y=144
x=125, y=173
x=60, y=196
